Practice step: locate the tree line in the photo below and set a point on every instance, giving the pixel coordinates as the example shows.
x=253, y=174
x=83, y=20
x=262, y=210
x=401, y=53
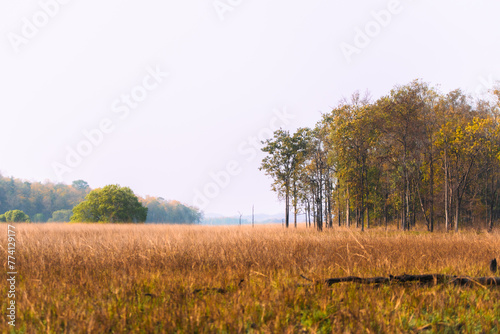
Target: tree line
x=22, y=201
x=40, y=200
x=414, y=155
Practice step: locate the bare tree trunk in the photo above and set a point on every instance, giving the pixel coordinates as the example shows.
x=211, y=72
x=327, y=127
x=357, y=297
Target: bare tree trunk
x=407, y=202
x=348, y=210
x=338, y=206
x=357, y=216
x=320, y=202
x=295, y=203
x=446, y=194
x=287, y=205
x=457, y=211
x=367, y=217
x=432, y=194
x=308, y=214
x=386, y=213
x=491, y=205
x=314, y=208
x=330, y=194
x=319, y=220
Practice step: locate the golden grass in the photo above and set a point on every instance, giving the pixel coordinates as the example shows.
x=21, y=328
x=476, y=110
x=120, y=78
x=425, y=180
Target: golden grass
x=95, y=278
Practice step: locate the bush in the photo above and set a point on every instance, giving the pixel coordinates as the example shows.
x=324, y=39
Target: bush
x=61, y=216
x=16, y=216
x=39, y=218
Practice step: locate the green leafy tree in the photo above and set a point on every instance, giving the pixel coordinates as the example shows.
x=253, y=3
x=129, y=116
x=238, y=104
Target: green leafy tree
x=2, y=219
x=111, y=204
x=16, y=216
x=285, y=153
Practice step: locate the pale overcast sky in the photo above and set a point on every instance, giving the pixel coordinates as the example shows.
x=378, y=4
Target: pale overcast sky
x=89, y=78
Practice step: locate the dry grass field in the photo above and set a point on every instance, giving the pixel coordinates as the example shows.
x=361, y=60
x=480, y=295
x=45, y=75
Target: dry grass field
x=95, y=278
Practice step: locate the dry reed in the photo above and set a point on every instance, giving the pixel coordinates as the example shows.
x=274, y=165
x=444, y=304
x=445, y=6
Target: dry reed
x=96, y=278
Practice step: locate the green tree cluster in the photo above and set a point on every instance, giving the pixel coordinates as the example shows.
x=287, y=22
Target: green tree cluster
x=110, y=204
x=15, y=216
x=413, y=155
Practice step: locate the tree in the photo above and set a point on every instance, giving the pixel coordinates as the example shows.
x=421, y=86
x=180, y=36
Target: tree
x=353, y=136
x=16, y=216
x=39, y=218
x=111, y=204
x=61, y=216
x=174, y=212
x=414, y=155
x=402, y=129
x=284, y=155
x=80, y=185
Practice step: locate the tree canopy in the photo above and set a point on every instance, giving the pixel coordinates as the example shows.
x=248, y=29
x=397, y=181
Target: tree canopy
x=413, y=155
x=14, y=216
x=111, y=204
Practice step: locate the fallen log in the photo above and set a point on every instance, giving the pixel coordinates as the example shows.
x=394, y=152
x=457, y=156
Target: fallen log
x=424, y=279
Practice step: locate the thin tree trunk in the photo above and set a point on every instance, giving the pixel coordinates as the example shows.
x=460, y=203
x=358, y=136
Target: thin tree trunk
x=348, y=210
x=446, y=194
x=295, y=203
x=287, y=206
x=407, y=202
x=457, y=211
x=491, y=205
x=320, y=201
x=338, y=205
x=432, y=195
x=367, y=217
x=314, y=207
x=385, y=211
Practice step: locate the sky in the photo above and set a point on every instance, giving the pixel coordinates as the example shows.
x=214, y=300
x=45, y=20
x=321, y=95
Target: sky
x=172, y=98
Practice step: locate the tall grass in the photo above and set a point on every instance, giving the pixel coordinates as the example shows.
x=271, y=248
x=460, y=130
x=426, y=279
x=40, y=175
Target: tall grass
x=96, y=278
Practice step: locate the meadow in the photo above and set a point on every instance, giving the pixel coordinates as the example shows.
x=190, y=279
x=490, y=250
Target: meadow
x=96, y=278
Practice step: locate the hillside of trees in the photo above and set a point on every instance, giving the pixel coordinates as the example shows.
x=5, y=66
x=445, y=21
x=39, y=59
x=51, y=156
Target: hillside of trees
x=414, y=155
x=49, y=202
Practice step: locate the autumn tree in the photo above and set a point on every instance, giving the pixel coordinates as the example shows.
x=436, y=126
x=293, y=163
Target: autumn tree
x=414, y=155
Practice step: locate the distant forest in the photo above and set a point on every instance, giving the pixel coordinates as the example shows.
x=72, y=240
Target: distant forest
x=49, y=202
x=414, y=155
